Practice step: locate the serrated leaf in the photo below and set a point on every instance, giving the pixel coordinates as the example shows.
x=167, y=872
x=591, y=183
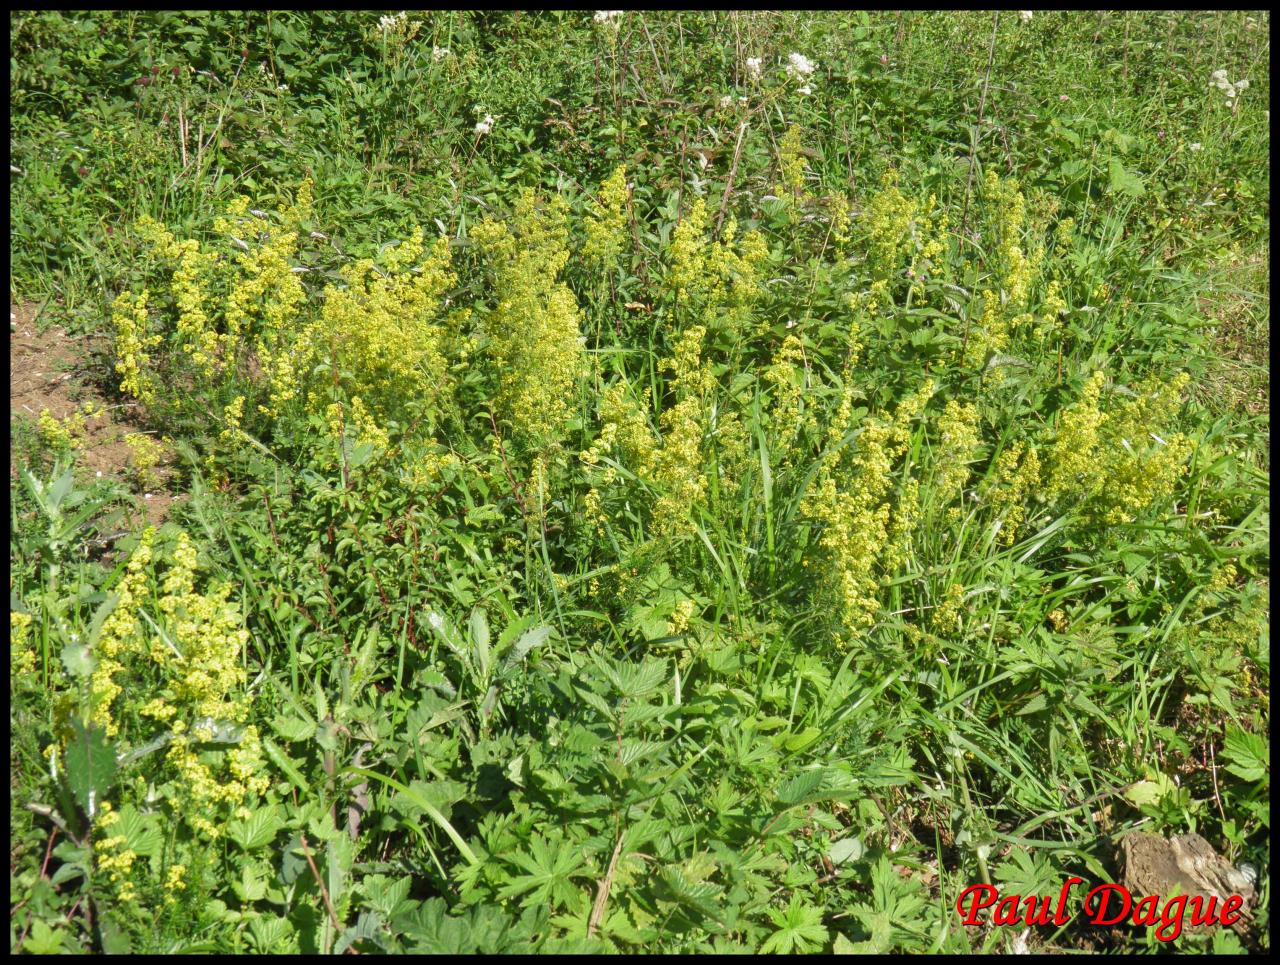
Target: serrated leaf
x=293, y=729
x=91, y=765
x=528, y=641
x=1249, y=754
x=258, y=830
x=368, y=928
x=479, y=626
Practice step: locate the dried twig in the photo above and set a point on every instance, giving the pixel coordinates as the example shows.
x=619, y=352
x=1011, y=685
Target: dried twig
x=602, y=893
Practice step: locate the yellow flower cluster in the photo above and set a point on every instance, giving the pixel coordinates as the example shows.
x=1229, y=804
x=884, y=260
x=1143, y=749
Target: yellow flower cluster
x=232, y=417
x=1116, y=464
x=841, y=223
x=606, y=220
x=791, y=163
x=1053, y=309
x=61, y=434
x=381, y=337
x=1017, y=267
x=114, y=858
x=22, y=659
x=991, y=334
x=533, y=330
x=680, y=617
x=625, y=433
x=786, y=414
x=188, y=656
x=903, y=238
x=133, y=345
x=145, y=454
x=1014, y=478
x=851, y=504
x=958, y=444
x=120, y=635
x=721, y=278
x=256, y=322
x=189, y=285
x=946, y=616
x=887, y=222
x=266, y=295
x=678, y=467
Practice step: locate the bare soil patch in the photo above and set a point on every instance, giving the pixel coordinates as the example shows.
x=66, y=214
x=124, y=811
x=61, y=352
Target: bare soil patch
x=48, y=372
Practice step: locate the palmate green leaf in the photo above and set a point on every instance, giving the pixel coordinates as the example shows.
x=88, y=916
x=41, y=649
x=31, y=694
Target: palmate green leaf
x=634, y=682
x=43, y=940
x=293, y=729
x=894, y=913
x=1027, y=872
x=143, y=834
x=270, y=933
x=800, y=929
x=550, y=867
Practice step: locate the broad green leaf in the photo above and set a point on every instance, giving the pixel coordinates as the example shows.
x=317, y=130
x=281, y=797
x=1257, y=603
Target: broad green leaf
x=91, y=765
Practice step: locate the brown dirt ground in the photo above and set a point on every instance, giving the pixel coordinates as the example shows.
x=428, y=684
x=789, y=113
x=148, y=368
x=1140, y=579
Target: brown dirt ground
x=47, y=371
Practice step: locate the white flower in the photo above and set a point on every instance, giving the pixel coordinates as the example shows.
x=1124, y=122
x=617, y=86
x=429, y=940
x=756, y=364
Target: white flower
x=726, y=100
x=605, y=16
x=436, y=621
x=486, y=125
x=391, y=23
x=1026, y=15
x=753, y=68
x=1219, y=80
x=798, y=65
x=805, y=89
x=439, y=53
x=1196, y=146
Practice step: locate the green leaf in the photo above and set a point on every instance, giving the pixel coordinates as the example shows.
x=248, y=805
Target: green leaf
x=1249, y=754
x=846, y=849
x=1124, y=181
x=43, y=940
x=258, y=830
x=550, y=867
x=91, y=765
x=293, y=729
x=480, y=641
x=800, y=929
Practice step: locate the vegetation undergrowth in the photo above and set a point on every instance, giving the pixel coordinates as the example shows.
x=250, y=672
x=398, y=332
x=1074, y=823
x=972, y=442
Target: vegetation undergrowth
x=656, y=481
